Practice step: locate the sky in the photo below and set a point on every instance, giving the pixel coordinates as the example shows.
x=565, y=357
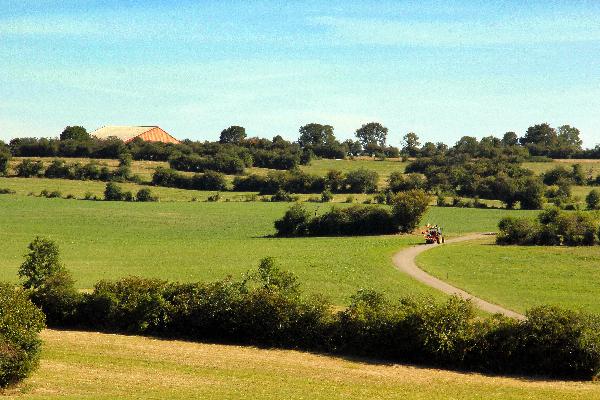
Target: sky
x=440, y=69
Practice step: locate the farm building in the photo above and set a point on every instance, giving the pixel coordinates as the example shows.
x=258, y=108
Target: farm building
x=129, y=133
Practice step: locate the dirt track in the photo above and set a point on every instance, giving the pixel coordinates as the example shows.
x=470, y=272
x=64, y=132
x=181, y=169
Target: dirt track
x=404, y=261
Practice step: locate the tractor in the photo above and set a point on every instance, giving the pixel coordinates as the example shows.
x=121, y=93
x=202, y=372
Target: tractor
x=433, y=234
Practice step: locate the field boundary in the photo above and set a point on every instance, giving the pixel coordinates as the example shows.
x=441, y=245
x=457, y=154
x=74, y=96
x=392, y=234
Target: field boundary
x=404, y=261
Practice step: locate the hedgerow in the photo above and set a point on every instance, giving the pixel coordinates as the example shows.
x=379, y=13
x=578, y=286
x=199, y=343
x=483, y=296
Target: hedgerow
x=267, y=308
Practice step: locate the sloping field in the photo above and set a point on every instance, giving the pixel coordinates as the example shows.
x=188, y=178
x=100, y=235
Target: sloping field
x=208, y=241
x=81, y=365
x=519, y=277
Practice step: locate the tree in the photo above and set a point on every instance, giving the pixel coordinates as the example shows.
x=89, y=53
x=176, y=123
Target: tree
x=540, y=139
x=569, y=140
x=233, y=134
x=5, y=157
x=294, y=222
x=41, y=262
x=410, y=144
x=408, y=209
x=78, y=133
x=314, y=135
x=510, y=139
x=372, y=133
x=467, y=145
x=593, y=200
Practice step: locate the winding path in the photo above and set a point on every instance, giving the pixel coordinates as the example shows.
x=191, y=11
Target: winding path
x=404, y=261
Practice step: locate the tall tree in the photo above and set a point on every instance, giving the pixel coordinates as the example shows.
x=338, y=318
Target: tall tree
x=74, y=133
x=371, y=134
x=313, y=135
x=541, y=134
x=233, y=134
x=510, y=139
x=410, y=144
x=568, y=136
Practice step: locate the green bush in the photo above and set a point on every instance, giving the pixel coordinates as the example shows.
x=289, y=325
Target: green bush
x=593, y=200
x=326, y=196
x=113, y=192
x=20, y=325
x=28, y=168
x=408, y=209
x=58, y=298
x=145, y=195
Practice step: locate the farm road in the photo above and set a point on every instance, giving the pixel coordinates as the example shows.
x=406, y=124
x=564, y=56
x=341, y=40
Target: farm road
x=404, y=261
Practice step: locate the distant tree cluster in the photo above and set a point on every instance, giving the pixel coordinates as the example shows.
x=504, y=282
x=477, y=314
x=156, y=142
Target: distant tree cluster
x=484, y=178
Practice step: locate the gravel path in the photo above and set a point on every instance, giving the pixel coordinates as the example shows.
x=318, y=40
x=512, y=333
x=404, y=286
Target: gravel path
x=404, y=261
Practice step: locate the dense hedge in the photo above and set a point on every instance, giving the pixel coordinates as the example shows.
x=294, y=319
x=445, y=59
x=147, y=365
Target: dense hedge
x=20, y=325
x=59, y=169
x=552, y=228
x=267, y=308
x=221, y=162
x=357, y=181
x=408, y=208
x=209, y=180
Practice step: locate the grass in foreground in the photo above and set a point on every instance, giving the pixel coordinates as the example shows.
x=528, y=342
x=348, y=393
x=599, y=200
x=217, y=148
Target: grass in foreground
x=208, y=241
x=520, y=277
x=99, y=366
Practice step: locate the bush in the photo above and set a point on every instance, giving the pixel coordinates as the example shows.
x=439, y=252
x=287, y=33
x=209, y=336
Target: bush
x=113, y=192
x=28, y=168
x=593, y=200
x=42, y=261
x=408, y=209
x=326, y=196
x=361, y=181
x=5, y=157
x=224, y=162
x=7, y=191
x=553, y=227
x=210, y=180
x=282, y=195
x=58, y=298
x=145, y=195
x=20, y=325
x=399, y=182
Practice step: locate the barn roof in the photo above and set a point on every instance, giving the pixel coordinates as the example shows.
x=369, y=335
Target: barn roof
x=125, y=133
x=150, y=133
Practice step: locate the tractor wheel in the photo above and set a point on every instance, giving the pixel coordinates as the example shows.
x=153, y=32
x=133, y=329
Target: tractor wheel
x=443, y=239
x=438, y=240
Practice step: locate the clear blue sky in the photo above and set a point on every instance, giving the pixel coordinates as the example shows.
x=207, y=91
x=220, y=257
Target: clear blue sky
x=441, y=69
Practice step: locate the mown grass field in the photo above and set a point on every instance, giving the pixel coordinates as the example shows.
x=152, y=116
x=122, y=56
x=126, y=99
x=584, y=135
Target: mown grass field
x=186, y=241
x=85, y=365
x=520, y=277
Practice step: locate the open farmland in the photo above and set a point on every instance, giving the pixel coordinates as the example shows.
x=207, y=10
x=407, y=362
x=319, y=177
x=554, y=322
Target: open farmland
x=207, y=241
x=88, y=365
x=520, y=277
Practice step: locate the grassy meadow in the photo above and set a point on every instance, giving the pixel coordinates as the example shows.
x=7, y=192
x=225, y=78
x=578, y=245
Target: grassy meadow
x=190, y=241
x=87, y=365
x=520, y=277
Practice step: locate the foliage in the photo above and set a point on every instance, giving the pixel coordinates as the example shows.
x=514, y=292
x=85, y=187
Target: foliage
x=28, y=168
x=210, y=180
x=41, y=261
x=20, y=325
x=77, y=133
x=552, y=227
x=145, y=195
x=593, y=199
x=408, y=209
x=233, y=134
x=372, y=134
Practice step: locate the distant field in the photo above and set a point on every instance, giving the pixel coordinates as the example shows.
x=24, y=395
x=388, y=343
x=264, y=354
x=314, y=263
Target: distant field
x=207, y=241
x=591, y=166
x=383, y=168
x=519, y=277
x=86, y=365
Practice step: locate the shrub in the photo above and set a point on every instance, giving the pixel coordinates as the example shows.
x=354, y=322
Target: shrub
x=214, y=197
x=282, y=195
x=294, y=222
x=5, y=157
x=518, y=231
x=408, y=209
x=399, y=182
x=28, y=168
x=42, y=261
x=326, y=196
x=361, y=181
x=593, y=200
x=58, y=298
x=113, y=192
x=145, y=195
x=20, y=325
x=7, y=191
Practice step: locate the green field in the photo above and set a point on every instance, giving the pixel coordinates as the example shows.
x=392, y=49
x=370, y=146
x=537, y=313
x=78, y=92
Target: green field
x=86, y=365
x=205, y=241
x=520, y=277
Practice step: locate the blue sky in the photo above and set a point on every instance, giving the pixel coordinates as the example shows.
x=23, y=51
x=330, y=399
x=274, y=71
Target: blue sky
x=441, y=69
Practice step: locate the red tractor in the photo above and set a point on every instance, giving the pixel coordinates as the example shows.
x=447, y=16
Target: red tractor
x=433, y=234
